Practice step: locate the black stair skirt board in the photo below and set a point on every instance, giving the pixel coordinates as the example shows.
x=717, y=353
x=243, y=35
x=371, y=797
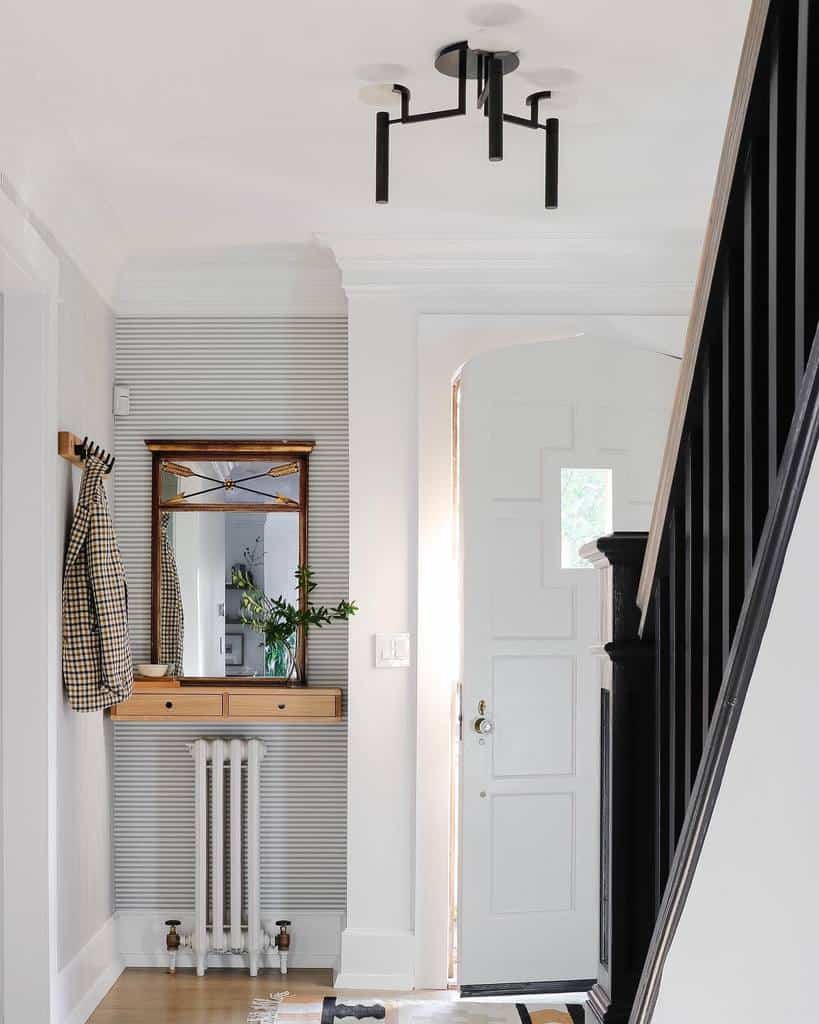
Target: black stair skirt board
x=527, y=988
x=797, y=459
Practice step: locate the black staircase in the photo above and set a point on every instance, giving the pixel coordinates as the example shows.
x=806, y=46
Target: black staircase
x=743, y=434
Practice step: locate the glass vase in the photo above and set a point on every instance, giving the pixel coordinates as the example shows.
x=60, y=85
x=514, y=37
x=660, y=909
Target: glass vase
x=280, y=662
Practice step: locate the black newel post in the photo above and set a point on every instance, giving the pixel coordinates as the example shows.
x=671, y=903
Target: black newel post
x=627, y=700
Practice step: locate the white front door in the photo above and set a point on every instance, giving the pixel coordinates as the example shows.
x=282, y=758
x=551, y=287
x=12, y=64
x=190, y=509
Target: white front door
x=555, y=439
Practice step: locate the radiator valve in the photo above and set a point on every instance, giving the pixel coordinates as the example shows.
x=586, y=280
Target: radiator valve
x=172, y=943
x=283, y=944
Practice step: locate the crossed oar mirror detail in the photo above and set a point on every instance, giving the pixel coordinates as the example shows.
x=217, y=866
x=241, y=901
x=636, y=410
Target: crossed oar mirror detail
x=227, y=482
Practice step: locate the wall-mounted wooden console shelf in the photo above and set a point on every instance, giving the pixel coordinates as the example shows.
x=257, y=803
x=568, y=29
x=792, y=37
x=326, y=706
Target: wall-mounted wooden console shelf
x=173, y=700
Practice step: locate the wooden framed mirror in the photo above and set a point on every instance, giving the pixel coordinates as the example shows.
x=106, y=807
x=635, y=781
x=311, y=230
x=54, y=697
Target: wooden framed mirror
x=224, y=513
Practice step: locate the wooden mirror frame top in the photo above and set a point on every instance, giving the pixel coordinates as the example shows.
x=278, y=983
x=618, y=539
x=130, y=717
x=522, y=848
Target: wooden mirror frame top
x=238, y=451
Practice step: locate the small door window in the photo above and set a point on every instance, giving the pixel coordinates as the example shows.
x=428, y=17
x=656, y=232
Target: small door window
x=585, y=512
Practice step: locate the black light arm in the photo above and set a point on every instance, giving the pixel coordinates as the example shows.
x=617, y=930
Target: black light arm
x=406, y=117
x=382, y=157
x=552, y=137
x=383, y=122
x=494, y=105
x=533, y=103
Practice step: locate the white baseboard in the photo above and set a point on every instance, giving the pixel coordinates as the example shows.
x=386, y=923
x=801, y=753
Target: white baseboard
x=315, y=940
x=82, y=983
x=376, y=961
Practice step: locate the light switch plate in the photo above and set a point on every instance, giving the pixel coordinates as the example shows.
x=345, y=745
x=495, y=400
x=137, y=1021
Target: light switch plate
x=392, y=650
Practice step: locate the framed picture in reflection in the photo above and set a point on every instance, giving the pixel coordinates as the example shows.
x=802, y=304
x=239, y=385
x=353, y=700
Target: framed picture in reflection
x=234, y=649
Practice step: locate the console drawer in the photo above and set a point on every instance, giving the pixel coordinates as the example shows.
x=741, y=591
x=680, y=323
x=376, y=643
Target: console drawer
x=171, y=705
x=289, y=704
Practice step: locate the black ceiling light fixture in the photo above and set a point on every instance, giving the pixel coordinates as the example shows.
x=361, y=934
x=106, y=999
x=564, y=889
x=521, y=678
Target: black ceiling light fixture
x=487, y=69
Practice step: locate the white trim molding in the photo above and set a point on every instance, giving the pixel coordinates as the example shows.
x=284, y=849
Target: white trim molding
x=580, y=273
x=377, y=960
x=83, y=983
x=29, y=568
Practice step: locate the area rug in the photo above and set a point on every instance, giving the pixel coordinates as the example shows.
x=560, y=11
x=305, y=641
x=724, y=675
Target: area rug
x=266, y=1011
x=412, y=1011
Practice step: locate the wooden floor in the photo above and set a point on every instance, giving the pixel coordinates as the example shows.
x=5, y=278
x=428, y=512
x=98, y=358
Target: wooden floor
x=144, y=995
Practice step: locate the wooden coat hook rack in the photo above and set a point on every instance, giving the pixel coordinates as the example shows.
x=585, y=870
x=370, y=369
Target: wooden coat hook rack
x=70, y=447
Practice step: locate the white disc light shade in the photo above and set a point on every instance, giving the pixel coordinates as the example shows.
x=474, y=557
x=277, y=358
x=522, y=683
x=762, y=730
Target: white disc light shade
x=381, y=95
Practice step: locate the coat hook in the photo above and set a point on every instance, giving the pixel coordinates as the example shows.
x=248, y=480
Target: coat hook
x=78, y=452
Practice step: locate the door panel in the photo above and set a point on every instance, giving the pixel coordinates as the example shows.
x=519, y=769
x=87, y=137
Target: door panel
x=529, y=789
x=522, y=882
x=542, y=689
x=522, y=605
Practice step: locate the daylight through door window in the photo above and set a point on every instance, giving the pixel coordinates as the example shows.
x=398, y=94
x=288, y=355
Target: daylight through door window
x=585, y=512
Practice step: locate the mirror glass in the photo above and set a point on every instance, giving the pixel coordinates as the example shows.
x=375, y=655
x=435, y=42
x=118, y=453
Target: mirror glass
x=226, y=529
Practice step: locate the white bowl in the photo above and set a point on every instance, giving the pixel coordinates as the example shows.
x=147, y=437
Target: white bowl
x=152, y=671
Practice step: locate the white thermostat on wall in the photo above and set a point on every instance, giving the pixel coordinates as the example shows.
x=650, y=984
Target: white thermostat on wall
x=122, y=400
x=392, y=650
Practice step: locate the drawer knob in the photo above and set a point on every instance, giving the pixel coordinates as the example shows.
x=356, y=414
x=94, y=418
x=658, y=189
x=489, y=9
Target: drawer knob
x=168, y=703
x=281, y=707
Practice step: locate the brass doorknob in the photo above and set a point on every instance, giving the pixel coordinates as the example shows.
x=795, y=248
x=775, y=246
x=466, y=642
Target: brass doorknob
x=483, y=726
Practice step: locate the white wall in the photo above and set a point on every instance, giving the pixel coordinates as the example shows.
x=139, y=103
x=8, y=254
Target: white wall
x=745, y=949
x=84, y=795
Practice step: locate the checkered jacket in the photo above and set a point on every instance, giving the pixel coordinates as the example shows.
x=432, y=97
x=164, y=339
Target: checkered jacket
x=97, y=667
x=171, y=614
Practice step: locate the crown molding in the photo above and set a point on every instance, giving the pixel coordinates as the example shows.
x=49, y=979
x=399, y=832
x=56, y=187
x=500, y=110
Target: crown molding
x=572, y=264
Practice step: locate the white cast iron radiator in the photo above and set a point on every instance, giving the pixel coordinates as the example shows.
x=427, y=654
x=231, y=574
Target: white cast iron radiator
x=239, y=935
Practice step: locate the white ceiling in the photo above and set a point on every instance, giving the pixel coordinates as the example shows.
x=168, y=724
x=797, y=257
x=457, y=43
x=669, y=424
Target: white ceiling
x=185, y=124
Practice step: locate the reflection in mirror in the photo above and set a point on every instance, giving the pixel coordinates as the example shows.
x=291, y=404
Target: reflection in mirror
x=202, y=633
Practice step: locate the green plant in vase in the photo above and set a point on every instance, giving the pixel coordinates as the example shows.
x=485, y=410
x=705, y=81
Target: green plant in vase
x=282, y=624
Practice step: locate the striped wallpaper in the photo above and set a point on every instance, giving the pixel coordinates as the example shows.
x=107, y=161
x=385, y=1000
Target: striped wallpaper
x=235, y=377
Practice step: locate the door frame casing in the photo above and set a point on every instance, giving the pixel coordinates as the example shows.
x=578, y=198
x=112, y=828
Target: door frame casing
x=29, y=615
x=445, y=342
